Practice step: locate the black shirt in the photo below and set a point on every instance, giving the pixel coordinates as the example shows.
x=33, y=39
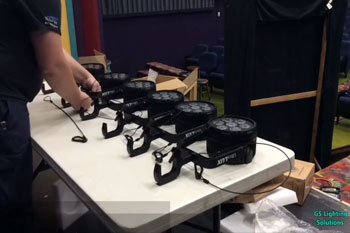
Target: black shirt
x=20, y=77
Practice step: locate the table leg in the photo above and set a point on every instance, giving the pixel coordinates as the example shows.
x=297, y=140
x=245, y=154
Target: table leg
x=195, y=91
x=200, y=92
x=196, y=226
x=208, y=90
x=42, y=167
x=216, y=219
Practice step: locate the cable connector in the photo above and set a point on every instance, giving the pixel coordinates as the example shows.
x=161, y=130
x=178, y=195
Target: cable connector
x=81, y=139
x=205, y=181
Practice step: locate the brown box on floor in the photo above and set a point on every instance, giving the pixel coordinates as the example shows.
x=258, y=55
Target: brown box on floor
x=188, y=86
x=300, y=181
x=248, y=198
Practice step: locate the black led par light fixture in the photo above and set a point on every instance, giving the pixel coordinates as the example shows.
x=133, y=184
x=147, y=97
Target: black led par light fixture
x=111, y=84
x=156, y=103
x=112, y=80
x=101, y=100
x=230, y=140
x=135, y=99
x=186, y=116
x=163, y=101
x=96, y=69
x=113, y=87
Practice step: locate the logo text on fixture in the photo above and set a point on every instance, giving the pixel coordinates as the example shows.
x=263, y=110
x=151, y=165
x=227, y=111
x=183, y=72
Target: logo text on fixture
x=227, y=158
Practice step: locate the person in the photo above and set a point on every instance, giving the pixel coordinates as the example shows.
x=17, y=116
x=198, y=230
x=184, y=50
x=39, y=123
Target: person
x=30, y=50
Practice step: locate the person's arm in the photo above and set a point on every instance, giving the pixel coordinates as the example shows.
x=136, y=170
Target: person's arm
x=81, y=75
x=55, y=69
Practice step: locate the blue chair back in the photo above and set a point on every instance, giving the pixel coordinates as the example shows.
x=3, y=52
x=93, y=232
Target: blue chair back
x=208, y=62
x=347, y=21
x=345, y=48
x=218, y=49
x=221, y=65
x=221, y=41
x=199, y=49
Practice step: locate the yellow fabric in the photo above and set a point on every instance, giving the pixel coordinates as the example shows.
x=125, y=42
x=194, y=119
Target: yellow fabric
x=64, y=28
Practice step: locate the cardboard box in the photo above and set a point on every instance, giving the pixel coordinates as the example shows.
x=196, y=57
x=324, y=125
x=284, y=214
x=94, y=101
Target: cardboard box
x=300, y=181
x=248, y=198
x=98, y=58
x=173, y=83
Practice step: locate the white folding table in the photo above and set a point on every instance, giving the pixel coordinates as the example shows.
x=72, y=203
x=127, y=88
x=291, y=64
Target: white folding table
x=121, y=190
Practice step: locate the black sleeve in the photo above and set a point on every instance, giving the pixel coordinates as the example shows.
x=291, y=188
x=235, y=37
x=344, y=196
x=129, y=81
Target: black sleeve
x=40, y=14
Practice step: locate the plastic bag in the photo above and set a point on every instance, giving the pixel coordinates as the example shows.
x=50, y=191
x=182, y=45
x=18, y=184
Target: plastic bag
x=271, y=218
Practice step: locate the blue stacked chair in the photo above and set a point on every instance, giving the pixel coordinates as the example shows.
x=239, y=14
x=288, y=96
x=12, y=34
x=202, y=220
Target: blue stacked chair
x=218, y=49
x=345, y=48
x=198, y=50
x=343, y=107
x=221, y=41
x=208, y=62
x=217, y=77
x=344, y=54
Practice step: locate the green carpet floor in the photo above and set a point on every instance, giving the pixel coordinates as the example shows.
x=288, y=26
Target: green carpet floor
x=341, y=135
x=217, y=98
x=343, y=80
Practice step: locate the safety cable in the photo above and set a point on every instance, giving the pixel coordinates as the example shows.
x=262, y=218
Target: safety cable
x=206, y=181
x=113, y=102
x=173, y=117
x=81, y=139
x=135, y=130
x=159, y=155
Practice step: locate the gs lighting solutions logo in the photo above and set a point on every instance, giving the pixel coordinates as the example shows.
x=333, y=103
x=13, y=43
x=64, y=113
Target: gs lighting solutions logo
x=330, y=215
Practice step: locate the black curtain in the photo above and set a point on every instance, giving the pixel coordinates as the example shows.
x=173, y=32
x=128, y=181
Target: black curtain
x=240, y=23
x=273, y=47
x=278, y=10
x=330, y=85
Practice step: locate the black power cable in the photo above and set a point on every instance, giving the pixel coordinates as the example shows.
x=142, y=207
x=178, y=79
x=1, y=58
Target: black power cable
x=81, y=139
x=206, y=181
x=159, y=155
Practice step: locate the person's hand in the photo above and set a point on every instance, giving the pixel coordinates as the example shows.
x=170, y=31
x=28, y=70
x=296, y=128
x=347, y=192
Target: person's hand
x=92, y=84
x=84, y=102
